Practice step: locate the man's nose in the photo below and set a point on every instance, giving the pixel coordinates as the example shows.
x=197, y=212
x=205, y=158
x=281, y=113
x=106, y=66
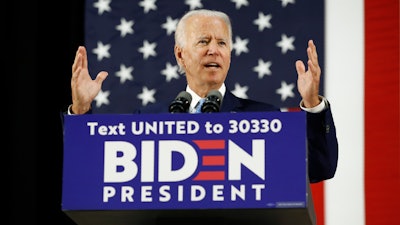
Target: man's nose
x=212, y=48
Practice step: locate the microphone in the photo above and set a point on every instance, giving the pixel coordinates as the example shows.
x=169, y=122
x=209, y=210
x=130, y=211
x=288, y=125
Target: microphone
x=181, y=103
x=213, y=102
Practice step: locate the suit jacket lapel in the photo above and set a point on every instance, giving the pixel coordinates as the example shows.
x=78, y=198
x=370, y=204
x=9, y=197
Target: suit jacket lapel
x=230, y=103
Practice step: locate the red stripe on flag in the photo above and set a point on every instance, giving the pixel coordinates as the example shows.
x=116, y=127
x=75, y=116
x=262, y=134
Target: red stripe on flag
x=210, y=175
x=210, y=144
x=218, y=160
x=317, y=191
x=382, y=155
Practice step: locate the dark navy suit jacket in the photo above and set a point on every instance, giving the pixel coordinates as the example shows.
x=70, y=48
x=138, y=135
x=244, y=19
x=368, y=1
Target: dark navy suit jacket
x=321, y=133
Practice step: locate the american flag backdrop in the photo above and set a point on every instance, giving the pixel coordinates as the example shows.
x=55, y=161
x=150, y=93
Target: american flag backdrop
x=358, y=48
x=133, y=40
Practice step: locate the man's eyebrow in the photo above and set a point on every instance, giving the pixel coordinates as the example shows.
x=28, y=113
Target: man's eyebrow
x=204, y=37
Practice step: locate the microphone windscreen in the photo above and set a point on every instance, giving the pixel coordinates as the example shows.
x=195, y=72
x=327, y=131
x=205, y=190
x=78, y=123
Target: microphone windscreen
x=213, y=101
x=181, y=103
x=216, y=94
x=185, y=95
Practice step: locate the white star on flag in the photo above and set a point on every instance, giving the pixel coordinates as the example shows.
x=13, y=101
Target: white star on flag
x=170, y=25
x=286, y=43
x=102, y=51
x=263, y=21
x=102, y=6
x=102, y=98
x=125, y=27
x=124, y=73
x=240, y=91
x=147, y=96
x=148, y=5
x=263, y=68
x=194, y=4
x=148, y=49
x=240, y=45
x=286, y=90
x=170, y=72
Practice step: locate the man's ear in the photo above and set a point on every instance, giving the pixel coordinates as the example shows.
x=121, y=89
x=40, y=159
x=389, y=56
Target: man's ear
x=178, y=54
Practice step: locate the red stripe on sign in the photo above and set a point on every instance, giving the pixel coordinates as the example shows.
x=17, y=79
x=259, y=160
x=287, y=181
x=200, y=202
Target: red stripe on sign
x=382, y=155
x=210, y=175
x=210, y=144
x=218, y=160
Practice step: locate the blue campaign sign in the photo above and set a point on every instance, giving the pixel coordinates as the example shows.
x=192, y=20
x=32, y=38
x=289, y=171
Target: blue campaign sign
x=185, y=161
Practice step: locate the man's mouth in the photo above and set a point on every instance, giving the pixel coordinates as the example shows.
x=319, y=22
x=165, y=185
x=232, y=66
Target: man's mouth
x=209, y=65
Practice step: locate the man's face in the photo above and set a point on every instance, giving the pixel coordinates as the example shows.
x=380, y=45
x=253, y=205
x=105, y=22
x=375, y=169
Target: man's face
x=206, y=55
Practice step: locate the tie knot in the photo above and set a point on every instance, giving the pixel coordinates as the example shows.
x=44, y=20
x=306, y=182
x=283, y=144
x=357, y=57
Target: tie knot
x=198, y=105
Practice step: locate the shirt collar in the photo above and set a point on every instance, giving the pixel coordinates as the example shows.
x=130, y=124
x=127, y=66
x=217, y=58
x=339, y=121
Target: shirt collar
x=196, y=98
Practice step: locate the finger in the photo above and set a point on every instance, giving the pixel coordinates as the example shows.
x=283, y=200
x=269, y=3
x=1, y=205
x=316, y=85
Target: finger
x=313, y=63
x=311, y=67
x=101, y=76
x=312, y=52
x=300, y=67
x=84, y=57
x=76, y=68
x=312, y=45
x=75, y=75
x=78, y=59
x=314, y=69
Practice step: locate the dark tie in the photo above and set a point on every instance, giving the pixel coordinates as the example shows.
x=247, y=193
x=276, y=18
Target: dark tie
x=198, y=105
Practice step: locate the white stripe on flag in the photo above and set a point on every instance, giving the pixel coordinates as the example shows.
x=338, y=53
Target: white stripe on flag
x=344, y=88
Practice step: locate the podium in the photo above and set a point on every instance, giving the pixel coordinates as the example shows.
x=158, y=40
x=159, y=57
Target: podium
x=219, y=168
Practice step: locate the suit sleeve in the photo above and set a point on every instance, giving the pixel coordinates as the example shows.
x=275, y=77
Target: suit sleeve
x=322, y=145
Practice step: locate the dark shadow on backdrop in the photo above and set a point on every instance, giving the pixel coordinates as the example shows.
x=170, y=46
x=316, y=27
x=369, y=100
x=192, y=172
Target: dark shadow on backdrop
x=43, y=37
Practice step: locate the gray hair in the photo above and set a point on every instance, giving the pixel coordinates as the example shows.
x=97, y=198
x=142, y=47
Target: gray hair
x=180, y=39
